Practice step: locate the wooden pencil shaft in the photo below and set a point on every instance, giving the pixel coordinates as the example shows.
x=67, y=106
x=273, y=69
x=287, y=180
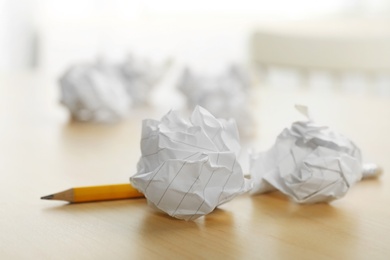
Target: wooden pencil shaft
x=106, y=192
x=96, y=193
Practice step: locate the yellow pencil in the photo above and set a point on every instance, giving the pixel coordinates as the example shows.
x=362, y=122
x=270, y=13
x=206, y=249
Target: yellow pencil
x=96, y=193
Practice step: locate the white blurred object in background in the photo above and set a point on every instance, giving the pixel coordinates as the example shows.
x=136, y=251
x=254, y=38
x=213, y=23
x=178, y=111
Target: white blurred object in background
x=348, y=54
x=106, y=91
x=139, y=77
x=17, y=36
x=94, y=92
x=226, y=95
x=201, y=33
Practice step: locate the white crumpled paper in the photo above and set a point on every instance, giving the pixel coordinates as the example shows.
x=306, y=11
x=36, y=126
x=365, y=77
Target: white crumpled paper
x=225, y=96
x=94, y=92
x=140, y=76
x=188, y=168
x=309, y=163
x=106, y=92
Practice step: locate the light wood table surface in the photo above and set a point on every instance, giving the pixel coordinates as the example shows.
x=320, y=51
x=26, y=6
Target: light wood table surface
x=41, y=152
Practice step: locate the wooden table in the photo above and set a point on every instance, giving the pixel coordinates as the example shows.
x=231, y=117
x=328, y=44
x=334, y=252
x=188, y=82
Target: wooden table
x=41, y=153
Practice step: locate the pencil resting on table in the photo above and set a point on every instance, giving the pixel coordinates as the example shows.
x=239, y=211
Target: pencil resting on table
x=96, y=193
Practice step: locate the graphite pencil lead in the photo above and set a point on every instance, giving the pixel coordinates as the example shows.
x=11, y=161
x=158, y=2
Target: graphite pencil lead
x=48, y=197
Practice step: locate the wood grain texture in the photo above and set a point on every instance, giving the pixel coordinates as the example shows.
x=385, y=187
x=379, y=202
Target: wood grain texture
x=41, y=152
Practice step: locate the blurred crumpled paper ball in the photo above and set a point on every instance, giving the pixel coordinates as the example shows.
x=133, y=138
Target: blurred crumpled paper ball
x=94, y=93
x=140, y=76
x=106, y=92
x=226, y=95
x=308, y=162
x=188, y=168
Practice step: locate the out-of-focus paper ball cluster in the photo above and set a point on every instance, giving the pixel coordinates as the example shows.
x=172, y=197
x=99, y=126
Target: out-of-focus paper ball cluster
x=188, y=168
x=225, y=96
x=106, y=92
x=309, y=163
x=140, y=76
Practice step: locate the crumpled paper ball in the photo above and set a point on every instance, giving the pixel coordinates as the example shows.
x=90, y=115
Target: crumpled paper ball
x=140, y=76
x=95, y=93
x=309, y=163
x=188, y=168
x=225, y=96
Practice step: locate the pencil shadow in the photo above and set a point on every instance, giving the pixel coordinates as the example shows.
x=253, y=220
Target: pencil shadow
x=96, y=207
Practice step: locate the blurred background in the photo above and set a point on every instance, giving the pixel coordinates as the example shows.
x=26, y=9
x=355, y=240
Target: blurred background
x=50, y=35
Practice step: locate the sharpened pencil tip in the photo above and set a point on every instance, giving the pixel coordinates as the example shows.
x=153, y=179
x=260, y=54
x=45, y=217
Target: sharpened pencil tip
x=48, y=197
